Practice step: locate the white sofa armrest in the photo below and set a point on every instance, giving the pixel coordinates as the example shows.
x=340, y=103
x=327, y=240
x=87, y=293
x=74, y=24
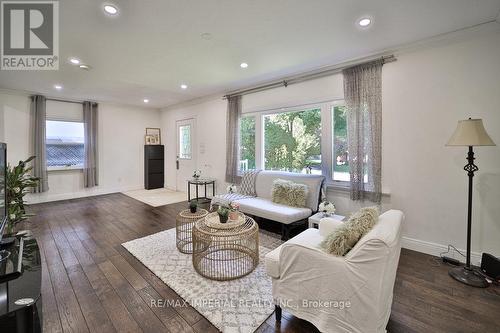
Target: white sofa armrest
x=327, y=225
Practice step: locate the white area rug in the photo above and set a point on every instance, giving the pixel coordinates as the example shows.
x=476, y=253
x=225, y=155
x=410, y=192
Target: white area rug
x=157, y=197
x=240, y=305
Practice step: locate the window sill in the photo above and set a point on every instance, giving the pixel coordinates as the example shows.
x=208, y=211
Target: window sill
x=64, y=168
x=334, y=187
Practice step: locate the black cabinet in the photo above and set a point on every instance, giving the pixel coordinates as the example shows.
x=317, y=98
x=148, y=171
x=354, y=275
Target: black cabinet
x=154, y=166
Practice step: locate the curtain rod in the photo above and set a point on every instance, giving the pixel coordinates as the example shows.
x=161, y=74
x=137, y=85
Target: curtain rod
x=306, y=77
x=62, y=100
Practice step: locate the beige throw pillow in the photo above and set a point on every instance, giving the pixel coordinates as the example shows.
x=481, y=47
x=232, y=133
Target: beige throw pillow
x=289, y=193
x=345, y=237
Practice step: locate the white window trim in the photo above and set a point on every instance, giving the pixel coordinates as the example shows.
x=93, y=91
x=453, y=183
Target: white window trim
x=64, y=168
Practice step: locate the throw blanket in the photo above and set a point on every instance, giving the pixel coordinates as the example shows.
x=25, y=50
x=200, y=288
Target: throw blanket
x=227, y=199
x=246, y=190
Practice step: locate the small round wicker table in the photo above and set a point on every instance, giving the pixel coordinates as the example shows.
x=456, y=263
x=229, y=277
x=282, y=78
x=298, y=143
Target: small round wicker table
x=183, y=226
x=225, y=251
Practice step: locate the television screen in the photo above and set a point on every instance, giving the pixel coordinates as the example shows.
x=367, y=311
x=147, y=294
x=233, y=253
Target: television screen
x=3, y=190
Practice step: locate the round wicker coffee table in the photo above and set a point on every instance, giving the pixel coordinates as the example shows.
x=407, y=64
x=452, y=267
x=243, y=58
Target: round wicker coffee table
x=225, y=251
x=183, y=226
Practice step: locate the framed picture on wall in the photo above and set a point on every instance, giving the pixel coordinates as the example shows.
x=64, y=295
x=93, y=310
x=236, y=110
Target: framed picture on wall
x=153, y=136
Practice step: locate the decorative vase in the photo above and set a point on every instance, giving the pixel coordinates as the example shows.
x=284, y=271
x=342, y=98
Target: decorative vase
x=233, y=216
x=223, y=219
x=193, y=209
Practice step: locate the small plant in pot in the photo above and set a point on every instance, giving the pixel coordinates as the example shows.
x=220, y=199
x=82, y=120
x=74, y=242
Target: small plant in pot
x=223, y=213
x=193, y=206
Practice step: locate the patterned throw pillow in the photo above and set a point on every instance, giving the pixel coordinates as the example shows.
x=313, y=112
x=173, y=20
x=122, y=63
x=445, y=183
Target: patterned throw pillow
x=289, y=193
x=247, y=186
x=345, y=237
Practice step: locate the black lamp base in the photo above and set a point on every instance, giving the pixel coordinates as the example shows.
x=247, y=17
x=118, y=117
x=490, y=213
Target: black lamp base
x=468, y=276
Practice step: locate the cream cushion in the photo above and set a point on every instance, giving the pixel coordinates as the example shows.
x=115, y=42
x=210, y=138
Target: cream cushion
x=267, y=209
x=289, y=193
x=264, y=185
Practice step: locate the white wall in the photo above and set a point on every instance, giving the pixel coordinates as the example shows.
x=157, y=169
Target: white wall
x=425, y=93
x=120, y=139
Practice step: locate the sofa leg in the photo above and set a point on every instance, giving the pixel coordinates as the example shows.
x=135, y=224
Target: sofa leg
x=277, y=313
x=285, y=232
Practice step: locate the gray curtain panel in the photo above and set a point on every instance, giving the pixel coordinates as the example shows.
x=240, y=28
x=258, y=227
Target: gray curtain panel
x=363, y=96
x=90, y=167
x=38, y=118
x=233, y=139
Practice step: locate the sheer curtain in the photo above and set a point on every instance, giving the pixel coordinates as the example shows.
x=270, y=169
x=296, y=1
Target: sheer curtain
x=90, y=167
x=38, y=117
x=233, y=139
x=363, y=97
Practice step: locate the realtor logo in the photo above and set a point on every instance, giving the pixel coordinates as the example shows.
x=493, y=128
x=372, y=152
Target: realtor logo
x=30, y=35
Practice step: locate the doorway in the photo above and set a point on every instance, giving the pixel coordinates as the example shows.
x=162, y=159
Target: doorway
x=186, y=152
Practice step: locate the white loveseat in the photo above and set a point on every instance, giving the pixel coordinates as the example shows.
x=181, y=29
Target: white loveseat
x=338, y=294
x=263, y=206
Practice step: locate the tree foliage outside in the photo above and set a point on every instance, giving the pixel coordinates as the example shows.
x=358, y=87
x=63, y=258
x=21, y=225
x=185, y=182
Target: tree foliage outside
x=340, y=147
x=293, y=140
x=247, y=141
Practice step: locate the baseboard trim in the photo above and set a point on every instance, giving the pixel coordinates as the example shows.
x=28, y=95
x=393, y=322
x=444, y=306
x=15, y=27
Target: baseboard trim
x=35, y=198
x=435, y=249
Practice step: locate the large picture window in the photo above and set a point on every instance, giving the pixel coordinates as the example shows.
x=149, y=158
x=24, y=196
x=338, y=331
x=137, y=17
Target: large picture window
x=311, y=139
x=292, y=141
x=64, y=144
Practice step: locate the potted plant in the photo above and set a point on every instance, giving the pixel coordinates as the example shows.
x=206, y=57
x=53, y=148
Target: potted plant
x=19, y=182
x=327, y=207
x=193, y=206
x=223, y=214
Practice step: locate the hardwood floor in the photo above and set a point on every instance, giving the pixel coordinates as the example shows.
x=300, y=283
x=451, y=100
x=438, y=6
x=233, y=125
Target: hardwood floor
x=92, y=284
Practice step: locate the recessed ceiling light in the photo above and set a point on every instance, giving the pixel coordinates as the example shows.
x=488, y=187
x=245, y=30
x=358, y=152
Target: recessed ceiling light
x=74, y=61
x=58, y=86
x=184, y=86
x=83, y=66
x=364, y=22
x=146, y=100
x=110, y=9
x=243, y=65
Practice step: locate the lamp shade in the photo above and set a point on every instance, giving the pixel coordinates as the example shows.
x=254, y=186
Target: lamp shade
x=470, y=132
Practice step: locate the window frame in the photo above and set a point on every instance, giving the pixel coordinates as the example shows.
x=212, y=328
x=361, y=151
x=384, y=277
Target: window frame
x=326, y=109
x=62, y=167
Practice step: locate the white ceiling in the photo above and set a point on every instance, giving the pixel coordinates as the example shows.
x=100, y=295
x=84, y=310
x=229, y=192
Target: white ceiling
x=153, y=46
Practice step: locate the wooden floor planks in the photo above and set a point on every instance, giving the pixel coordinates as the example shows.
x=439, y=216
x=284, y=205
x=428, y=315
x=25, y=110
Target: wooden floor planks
x=90, y=283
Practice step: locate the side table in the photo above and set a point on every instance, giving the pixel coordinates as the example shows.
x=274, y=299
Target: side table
x=183, y=226
x=314, y=219
x=225, y=251
x=201, y=182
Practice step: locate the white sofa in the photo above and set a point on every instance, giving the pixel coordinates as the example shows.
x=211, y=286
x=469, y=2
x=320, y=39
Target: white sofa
x=303, y=274
x=263, y=206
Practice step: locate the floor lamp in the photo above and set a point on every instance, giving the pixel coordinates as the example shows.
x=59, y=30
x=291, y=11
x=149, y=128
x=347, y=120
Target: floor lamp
x=469, y=133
